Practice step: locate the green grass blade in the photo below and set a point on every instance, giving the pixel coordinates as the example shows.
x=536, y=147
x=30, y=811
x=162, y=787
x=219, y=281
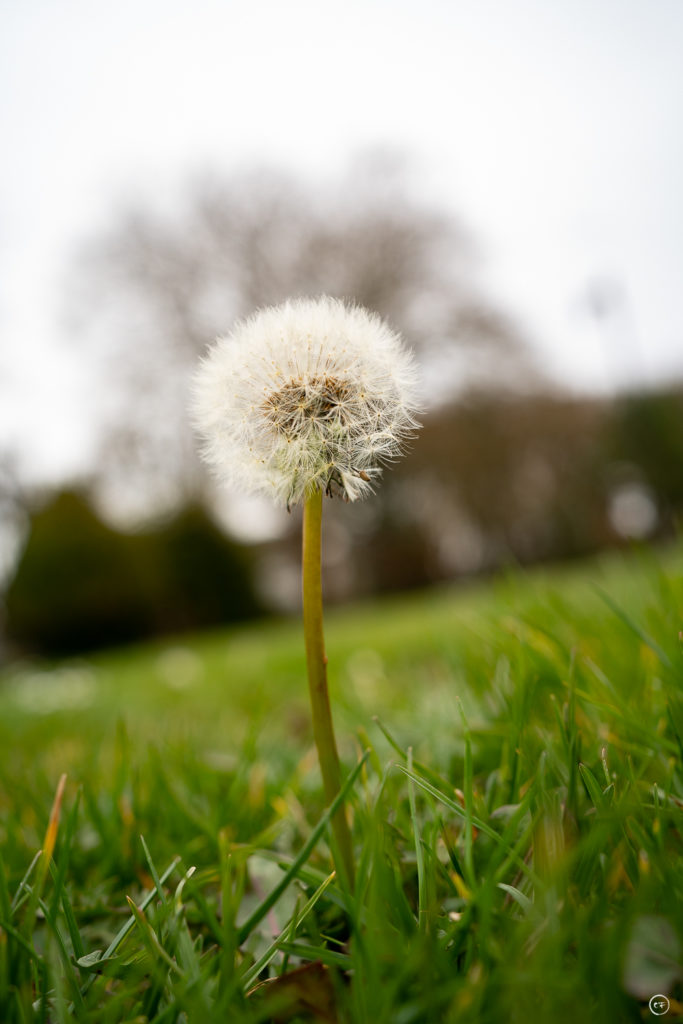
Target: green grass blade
x=592, y=786
x=24, y=890
x=153, y=871
x=319, y=954
x=150, y=939
x=635, y=628
x=422, y=918
x=289, y=931
x=457, y=809
x=468, y=791
x=518, y=896
x=302, y=857
x=130, y=923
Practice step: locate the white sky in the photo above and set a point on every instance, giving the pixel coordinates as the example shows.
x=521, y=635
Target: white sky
x=554, y=128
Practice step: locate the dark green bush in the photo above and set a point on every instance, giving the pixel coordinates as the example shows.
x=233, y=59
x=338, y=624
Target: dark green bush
x=81, y=585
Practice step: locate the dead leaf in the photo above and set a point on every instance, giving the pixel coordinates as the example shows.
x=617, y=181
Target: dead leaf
x=306, y=989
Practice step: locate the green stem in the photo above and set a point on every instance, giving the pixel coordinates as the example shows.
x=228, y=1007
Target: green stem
x=316, y=660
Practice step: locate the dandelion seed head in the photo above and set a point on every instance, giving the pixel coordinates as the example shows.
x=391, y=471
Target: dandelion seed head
x=311, y=395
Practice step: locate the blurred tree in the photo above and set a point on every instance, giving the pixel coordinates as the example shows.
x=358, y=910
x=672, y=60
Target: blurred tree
x=158, y=287
x=526, y=475
x=491, y=480
x=647, y=433
x=81, y=585
x=74, y=587
x=202, y=579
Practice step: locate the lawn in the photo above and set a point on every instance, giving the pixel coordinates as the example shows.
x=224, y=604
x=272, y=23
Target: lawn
x=513, y=757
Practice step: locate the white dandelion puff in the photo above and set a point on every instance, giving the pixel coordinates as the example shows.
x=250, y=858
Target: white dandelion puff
x=307, y=396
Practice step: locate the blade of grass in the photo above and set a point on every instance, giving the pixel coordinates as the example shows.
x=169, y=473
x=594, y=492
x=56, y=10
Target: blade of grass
x=45, y=858
x=419, y=766
x=592, y=786
x=150, y=939
x=232, y=876
x=73, y=979
x=303, y=855
x=457, y=809
x=208, y=916
x=74, y=933
x=123, y=931
x=468, y=791
x=524, y=902
x=316, y=953
x=24, y=890
x=628, y=621
x=388, y=737
x=419, y=853
x=25, y=944
x=153, y=871
x=59, y=874
x=287, y=936
x=5, y=903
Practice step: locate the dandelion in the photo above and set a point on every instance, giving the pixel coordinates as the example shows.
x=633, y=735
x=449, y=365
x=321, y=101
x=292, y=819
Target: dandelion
x=311, y=395
x=308, y=398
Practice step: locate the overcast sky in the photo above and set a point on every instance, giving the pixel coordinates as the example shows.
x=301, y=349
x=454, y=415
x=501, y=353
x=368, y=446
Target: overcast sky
x=553, y=128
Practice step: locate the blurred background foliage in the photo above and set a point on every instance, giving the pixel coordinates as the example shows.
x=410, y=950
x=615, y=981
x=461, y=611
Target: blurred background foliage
x=507, y=468
x=81, y=584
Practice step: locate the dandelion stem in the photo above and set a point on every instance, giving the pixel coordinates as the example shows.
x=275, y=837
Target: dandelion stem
x=316, y=660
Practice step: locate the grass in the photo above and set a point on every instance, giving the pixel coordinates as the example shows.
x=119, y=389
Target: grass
x=513, y=762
